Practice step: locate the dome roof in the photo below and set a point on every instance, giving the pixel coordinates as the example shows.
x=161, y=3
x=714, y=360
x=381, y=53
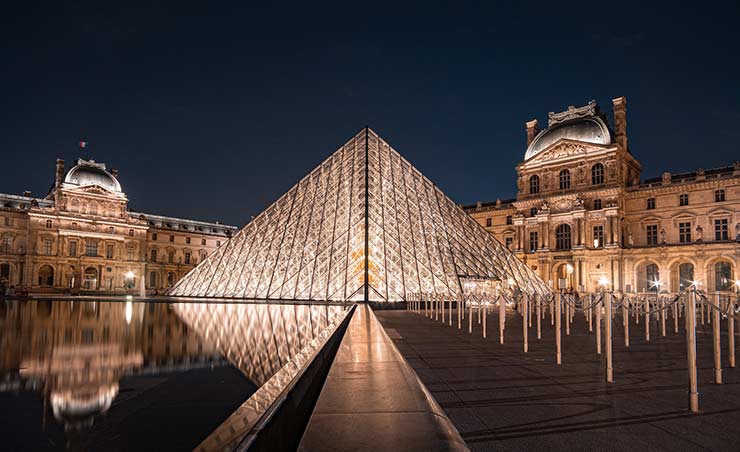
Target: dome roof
x=590, y=130
x=88, y=172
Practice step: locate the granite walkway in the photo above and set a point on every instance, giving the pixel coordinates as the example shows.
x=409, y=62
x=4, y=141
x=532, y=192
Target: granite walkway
x=500, y=398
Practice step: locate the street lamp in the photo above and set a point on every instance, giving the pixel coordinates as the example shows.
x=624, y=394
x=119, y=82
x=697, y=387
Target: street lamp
x=130, y=279
x=603, y=282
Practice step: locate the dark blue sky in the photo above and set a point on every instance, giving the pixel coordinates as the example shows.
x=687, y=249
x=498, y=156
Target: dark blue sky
x=212, y=112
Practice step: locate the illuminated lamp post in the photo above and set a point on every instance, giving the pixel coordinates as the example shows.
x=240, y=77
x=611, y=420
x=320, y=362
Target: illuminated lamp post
x=129, y=277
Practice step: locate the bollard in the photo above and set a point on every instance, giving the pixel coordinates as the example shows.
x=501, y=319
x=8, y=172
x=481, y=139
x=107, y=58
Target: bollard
x=647, y=319
x=485, y=314
x=558, y=354
x=501, y=317
x=459, y=315
x=608, y=328
x=662, y=317
x=567, y=317
x=598, y=325
x=525, y=300
x=731, y=330
x=691, y=352
x=450, y=311
x=716, y=342
x=590, y=313
x=539, y=318
x=470, y=317
x=675, y=316
x=626, y=322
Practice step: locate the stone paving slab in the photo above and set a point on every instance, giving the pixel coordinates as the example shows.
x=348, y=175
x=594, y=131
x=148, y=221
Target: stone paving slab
x=500, y=398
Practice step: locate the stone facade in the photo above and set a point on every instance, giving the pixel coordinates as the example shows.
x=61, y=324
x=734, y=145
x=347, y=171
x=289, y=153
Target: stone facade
x=583, y=216
x=81, y=237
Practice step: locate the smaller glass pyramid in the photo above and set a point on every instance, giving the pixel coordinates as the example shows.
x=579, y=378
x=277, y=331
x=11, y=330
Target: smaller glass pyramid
x=364, y=225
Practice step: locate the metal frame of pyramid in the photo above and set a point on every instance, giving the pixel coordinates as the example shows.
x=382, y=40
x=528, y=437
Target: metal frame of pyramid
x=364, y=225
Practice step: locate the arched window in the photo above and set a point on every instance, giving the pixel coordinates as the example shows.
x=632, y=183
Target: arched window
x=534, y=184
x=562, y=237
x=722, y=276
x=46, y=276
x=130, y=232
x=597, y=174
x=652, y=278
x=685, y=275
x=564, y=179
x=48, y=224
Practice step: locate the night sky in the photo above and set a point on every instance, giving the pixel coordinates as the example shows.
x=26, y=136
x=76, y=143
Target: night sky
x=212, y=112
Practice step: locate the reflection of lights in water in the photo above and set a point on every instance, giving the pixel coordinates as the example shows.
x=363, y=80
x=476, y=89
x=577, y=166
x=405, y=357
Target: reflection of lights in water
x=129, y=311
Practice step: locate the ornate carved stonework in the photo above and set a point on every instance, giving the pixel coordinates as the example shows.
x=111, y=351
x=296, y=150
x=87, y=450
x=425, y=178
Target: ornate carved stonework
x=590, y=109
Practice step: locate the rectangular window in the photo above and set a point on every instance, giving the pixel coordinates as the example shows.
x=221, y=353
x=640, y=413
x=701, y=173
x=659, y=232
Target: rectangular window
x=683, y=199
x=130, y=253
x=172, y=238
x=187, y=258
x=203, y=242
x=154, y=236
x=218, y=243
x=73, y=248
x=187, y=240
x=7, y=244
x=488, y=222
x=721, y=231
x=8, y=221
x=47, y=246
x=533, y=241
x=153, y=256
x=684, y=232
x=509, y=219
x=533, y=211
x=109, y=251
x=509, y=241
x=91, y=248
x=719, y=195
x=597, y=204
x=652, y=234
x=599, y=236
x=651, y=203
x=171, y=257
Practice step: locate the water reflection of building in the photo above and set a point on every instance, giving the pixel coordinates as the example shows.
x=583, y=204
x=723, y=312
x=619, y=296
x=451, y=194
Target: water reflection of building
x=76, y=353
x=582, y=212
x=82, y=236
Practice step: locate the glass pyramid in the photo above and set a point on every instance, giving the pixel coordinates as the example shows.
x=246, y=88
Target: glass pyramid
x=364, y=225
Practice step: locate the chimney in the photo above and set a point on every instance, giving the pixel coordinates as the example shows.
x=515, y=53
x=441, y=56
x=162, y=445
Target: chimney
x=59, y=173
x=27, y=193
x=620, y=121
x=532, y=131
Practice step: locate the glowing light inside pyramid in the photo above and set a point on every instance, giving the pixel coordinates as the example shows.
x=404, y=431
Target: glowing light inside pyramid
x=363, y=225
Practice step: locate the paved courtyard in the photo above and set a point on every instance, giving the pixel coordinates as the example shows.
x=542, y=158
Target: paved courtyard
x=500, y=398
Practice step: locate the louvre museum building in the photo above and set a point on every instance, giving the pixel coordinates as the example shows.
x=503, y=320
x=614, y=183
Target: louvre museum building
x=583, y=215
x=82, y=238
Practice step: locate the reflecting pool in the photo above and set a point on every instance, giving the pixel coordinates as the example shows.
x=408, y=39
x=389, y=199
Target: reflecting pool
x=89, y=375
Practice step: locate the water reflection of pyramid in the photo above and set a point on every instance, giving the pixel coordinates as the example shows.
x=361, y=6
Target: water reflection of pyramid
x=363, y=225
